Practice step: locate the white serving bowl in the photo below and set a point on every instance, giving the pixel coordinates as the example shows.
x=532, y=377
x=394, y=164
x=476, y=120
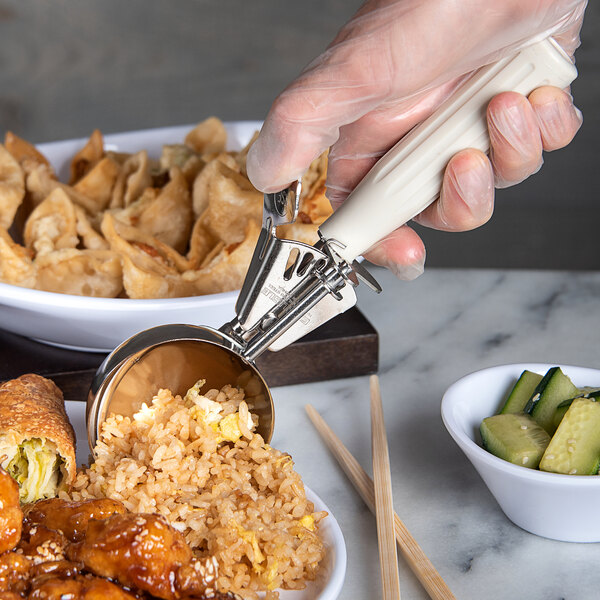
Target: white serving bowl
x=101, y=324
x=560, y=507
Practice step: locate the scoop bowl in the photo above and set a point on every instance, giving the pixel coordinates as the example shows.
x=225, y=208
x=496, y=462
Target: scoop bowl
x=173, y=357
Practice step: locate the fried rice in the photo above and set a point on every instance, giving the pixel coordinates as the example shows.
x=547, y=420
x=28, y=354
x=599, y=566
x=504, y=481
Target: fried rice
x=196, y=461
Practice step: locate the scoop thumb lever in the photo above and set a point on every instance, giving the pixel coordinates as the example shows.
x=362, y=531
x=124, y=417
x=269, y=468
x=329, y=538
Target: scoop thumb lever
x=409, y=177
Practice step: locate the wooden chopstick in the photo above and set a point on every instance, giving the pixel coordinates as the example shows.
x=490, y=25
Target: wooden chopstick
x=417, y=561
x=384, y=504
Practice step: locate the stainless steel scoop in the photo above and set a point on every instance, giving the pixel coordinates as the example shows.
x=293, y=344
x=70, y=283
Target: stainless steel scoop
x=291, y=288
x=285, y=280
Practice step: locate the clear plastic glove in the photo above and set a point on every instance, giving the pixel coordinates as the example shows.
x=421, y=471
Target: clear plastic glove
x=386, y=71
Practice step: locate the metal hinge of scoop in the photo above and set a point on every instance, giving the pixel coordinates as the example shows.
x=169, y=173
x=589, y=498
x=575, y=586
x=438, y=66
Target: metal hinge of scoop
x=291, y=288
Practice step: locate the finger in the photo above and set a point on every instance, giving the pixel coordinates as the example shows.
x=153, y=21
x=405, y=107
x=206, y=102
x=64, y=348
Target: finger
x=558, y=119
x=467, y=196
x=403, y=252
x=515, y=140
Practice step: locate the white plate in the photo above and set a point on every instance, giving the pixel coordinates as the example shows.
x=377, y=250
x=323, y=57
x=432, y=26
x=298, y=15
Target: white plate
x=331, y=576
x=101, y=324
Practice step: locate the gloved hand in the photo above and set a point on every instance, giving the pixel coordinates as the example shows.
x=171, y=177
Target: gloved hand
x=387, y=70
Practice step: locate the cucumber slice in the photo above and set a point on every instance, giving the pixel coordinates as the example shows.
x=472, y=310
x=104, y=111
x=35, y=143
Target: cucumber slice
x=590, y=392
x=516, y=438
x=539, y=389
x=557, y=389
x=575, y=447
x=521, y=392
x=595, y=395
x=563, y=407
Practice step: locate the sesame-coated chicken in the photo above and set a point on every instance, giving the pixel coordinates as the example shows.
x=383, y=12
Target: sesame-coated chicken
x=71, y=518
x=81, y=587
x=141, y=551
x=70, y=550
x=15, y=570
x=11, y=516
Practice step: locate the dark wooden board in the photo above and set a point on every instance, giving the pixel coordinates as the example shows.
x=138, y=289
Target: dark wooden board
x=347, y=346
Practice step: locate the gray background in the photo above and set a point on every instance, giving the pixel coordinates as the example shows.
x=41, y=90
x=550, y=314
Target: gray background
x=68, y=66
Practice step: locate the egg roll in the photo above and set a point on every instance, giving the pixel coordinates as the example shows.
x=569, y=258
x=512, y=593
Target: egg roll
x=37, y=441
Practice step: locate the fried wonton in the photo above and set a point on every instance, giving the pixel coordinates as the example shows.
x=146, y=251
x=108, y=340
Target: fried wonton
x=175, y=155
x=40, y=182
x=139, y=245
x=314, y=179
x=90, y=238
x=134, y=178
x=153, y=281
x=87, y=157
x=183, y=157
x=208, y=137
x=23, y=151
x=95, y=273
x=12, y=187
x=314, y=204
x=97, y=184
x=314, y=210
x=298, y=231
x=165, y=214
x=203, y=179
x=118, y=157
x=242, y=155
x=202, y=243
x=227, y=270
x=232, y=202
x=151, y=269
x=16, y=266
x=52, y=225
x=192, y=168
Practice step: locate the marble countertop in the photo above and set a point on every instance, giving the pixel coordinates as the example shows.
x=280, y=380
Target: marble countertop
x=433, y=331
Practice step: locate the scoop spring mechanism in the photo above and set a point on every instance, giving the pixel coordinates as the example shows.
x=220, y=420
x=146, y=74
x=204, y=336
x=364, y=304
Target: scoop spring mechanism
x=291, y=288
